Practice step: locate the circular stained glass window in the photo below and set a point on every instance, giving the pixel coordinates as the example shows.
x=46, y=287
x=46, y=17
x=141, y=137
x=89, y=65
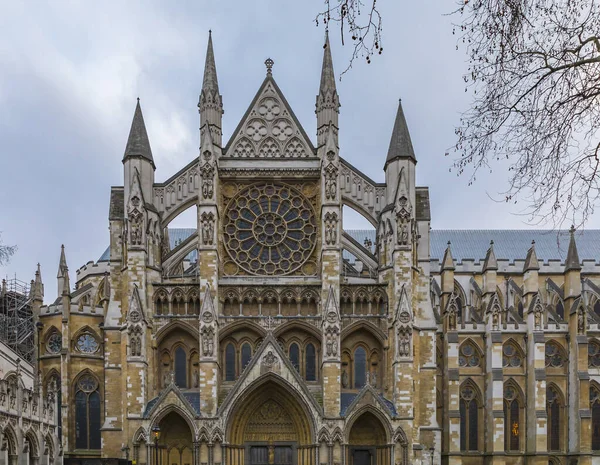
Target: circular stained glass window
x=87, y=343
x=270, y=229
x=54, y=343
x=87, y=383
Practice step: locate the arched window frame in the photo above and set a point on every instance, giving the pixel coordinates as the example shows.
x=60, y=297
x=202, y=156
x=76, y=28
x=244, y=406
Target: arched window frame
x=229, y=361
x=310, y=362
x=83, y=385
x=556, y=356
x=178, y=302
x=470, y=355
x=514, y=417
x=555, y=407
x=512, y=355
x=177, y=349
x=460, y=300
x=52, y=341
x=293, y=346
x=193, y=306
x=470, y=411
x=86, y=331
x=594, y=354
x=355, y=373
x=595, y=409
x=243, y=345
x=161, y=303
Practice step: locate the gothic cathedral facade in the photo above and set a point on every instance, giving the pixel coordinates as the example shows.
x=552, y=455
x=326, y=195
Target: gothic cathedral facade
x=270, y=335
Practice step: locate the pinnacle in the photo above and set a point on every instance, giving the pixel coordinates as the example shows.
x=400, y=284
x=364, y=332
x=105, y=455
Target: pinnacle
x=327, y=74
x=572, y=261
x=138, y=144
x=400, y=143
x=531, y=261
x=210, y=82
x=62, y=264
x=448, y=261
x=490, y=262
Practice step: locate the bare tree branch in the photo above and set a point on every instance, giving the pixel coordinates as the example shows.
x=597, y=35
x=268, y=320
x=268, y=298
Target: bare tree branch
x=360, y=22
x=534, y=70
x=6, y=252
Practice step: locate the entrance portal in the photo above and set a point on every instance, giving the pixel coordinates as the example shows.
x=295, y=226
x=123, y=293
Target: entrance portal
x=368, y=442
x=270, y=427
x=175, y=446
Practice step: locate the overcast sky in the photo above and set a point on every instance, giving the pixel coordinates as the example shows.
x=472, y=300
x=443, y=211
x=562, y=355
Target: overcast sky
x=70, y=73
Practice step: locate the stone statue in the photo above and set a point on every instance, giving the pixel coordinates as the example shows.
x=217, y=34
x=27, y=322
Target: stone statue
x=196, y=378
x=495, y=319
x=581, y=321
x=344, y=378
x=452, y=318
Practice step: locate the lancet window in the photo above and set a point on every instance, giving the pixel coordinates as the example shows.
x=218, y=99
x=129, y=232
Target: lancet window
x=595, y=408
x=553, y=410
x=512, y=417
x=360, y=367
x=87, y=413
x=469, y=417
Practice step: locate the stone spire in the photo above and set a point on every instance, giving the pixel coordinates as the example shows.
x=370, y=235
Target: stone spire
x=63, y=273
x=572, y=261
x=38, y=286
x=328, y=101
x=490, y=262
x=138, y=144
x=210, y=104
x=400, y=143
x=531, y=261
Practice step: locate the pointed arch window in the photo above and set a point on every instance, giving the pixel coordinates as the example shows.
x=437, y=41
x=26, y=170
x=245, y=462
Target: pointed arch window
x=560, y=309
x=360, y=367
x=512, y=423
x=87, y=413
x=294, y=353
x=555, y=357
x=469, y=355
x=230, y=362
x=595, y=408
x=594, y=355
x=180, y=367
x=596, y=308
x=469, y=419
x=553, y=410
x=520, y=308
x=310, y=367
x=246, y=354
x=511, y=355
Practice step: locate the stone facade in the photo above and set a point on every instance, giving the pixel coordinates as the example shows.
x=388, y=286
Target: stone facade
x=255, y=339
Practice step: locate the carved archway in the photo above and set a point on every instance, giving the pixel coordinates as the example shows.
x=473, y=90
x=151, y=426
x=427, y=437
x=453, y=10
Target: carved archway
x=270, y=420
x=368, y=441
x=176, y=443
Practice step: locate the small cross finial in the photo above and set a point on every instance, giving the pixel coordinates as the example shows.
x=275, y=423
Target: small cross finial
x=448, y=243
x=533, y=242
x=269, y=64
x=572, y=230
x=492, y=242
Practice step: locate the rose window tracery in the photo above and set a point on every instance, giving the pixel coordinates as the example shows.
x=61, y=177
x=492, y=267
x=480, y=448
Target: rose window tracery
x=87, y=343
x=54, y=344
x=270, y=229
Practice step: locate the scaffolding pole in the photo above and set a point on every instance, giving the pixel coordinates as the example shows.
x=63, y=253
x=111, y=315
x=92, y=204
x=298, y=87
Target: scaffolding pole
x=16, y=318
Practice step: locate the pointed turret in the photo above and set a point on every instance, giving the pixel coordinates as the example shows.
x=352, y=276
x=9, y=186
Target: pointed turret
x=490, y=262
x=572, y=261
x=328, y=101
x=138, y=144
x=531, y=261
x=63, y=285
x=210, y=104
x=400, y=143
x=38, y=286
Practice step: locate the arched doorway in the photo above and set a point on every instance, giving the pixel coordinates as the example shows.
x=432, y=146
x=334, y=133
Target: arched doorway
x=270, y=426
x=367, y=444
x=175, y=444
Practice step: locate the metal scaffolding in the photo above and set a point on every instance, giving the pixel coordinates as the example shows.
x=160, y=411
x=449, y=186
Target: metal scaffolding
x=16, y=318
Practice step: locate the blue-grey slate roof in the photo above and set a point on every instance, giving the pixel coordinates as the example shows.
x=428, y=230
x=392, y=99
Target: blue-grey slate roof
x=509, y=244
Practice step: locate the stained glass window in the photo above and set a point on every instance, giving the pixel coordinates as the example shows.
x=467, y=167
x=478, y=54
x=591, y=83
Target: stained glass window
x=469, y=355
x=554, y=355
x=270, y=229
x=553, y=412
x=54, y=344
x=310, y=362
x=295, y=355
x=512, y=424
x=469, y=419
x=180, y=367
x=87, y=413
x=511, y=356
x=595, y=408
x=87, y=343
x=560, y=310
x=230, y=362
x=593, y=355
x=246, y=354
x=360, y=367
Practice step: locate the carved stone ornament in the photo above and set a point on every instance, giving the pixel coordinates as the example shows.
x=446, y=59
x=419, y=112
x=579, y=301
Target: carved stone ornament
x=208, y=187
x=404, y=336
x=208, y=342
x=135, y=341
x=537, y=316
x=207, y=317
x=331, y=220
x=581, y=323
x=452, y=317
x=495, y=318
x=331, y=341
x=404, y=317
x=208, y=227
x=331, y=181
x=270, y=360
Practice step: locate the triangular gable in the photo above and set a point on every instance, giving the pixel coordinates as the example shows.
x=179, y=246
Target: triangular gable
x=269, y=129
x=269, y=360
x=369, y=396
x=135, y=313
x=170, y=396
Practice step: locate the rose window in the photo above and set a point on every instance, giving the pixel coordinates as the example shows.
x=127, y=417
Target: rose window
x=270, y=229
x=87, y=343
x=54, y=344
